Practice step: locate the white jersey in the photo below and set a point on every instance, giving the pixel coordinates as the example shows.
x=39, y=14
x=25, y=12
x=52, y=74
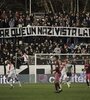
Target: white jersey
x=10, y=70
x=63, y=72
x=25, y=56
x=63, y=68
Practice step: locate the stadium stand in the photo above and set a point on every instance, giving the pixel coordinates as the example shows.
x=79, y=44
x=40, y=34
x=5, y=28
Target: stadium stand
x=18, y=18
x=32, y=45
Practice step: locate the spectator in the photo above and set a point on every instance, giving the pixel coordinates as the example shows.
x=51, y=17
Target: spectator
x=57, y=50
x=12, y=22
x=32, y=45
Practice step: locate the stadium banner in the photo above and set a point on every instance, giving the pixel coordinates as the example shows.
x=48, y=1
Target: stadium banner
x=24, y=78
x=44, y=31
x=48, y=78
x=43, y=78
x=3, y=79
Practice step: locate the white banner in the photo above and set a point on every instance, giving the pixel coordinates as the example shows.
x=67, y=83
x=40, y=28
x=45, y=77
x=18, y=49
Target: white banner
x=44, y=31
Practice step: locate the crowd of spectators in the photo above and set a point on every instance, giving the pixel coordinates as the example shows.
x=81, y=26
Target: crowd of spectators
x=41, y=45
x=20, y=19
x=32, y=45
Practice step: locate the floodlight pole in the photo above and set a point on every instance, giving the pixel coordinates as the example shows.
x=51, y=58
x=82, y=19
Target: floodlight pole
x=25, y=5
x=77, y=6
x=30, y=6
x=72, y=5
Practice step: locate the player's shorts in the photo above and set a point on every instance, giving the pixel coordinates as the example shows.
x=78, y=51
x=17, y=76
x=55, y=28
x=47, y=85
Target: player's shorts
x=63, y=76
x=69, y=74
x=88, y=76
x=57, y=77
x=12, y=75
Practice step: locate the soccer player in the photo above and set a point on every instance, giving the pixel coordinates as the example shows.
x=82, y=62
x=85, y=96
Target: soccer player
x=57, y=74
x=11, y=73
x=66, y=69
x=25, y=57
x=63, y=72
x=87, y=69
x=69, y=73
